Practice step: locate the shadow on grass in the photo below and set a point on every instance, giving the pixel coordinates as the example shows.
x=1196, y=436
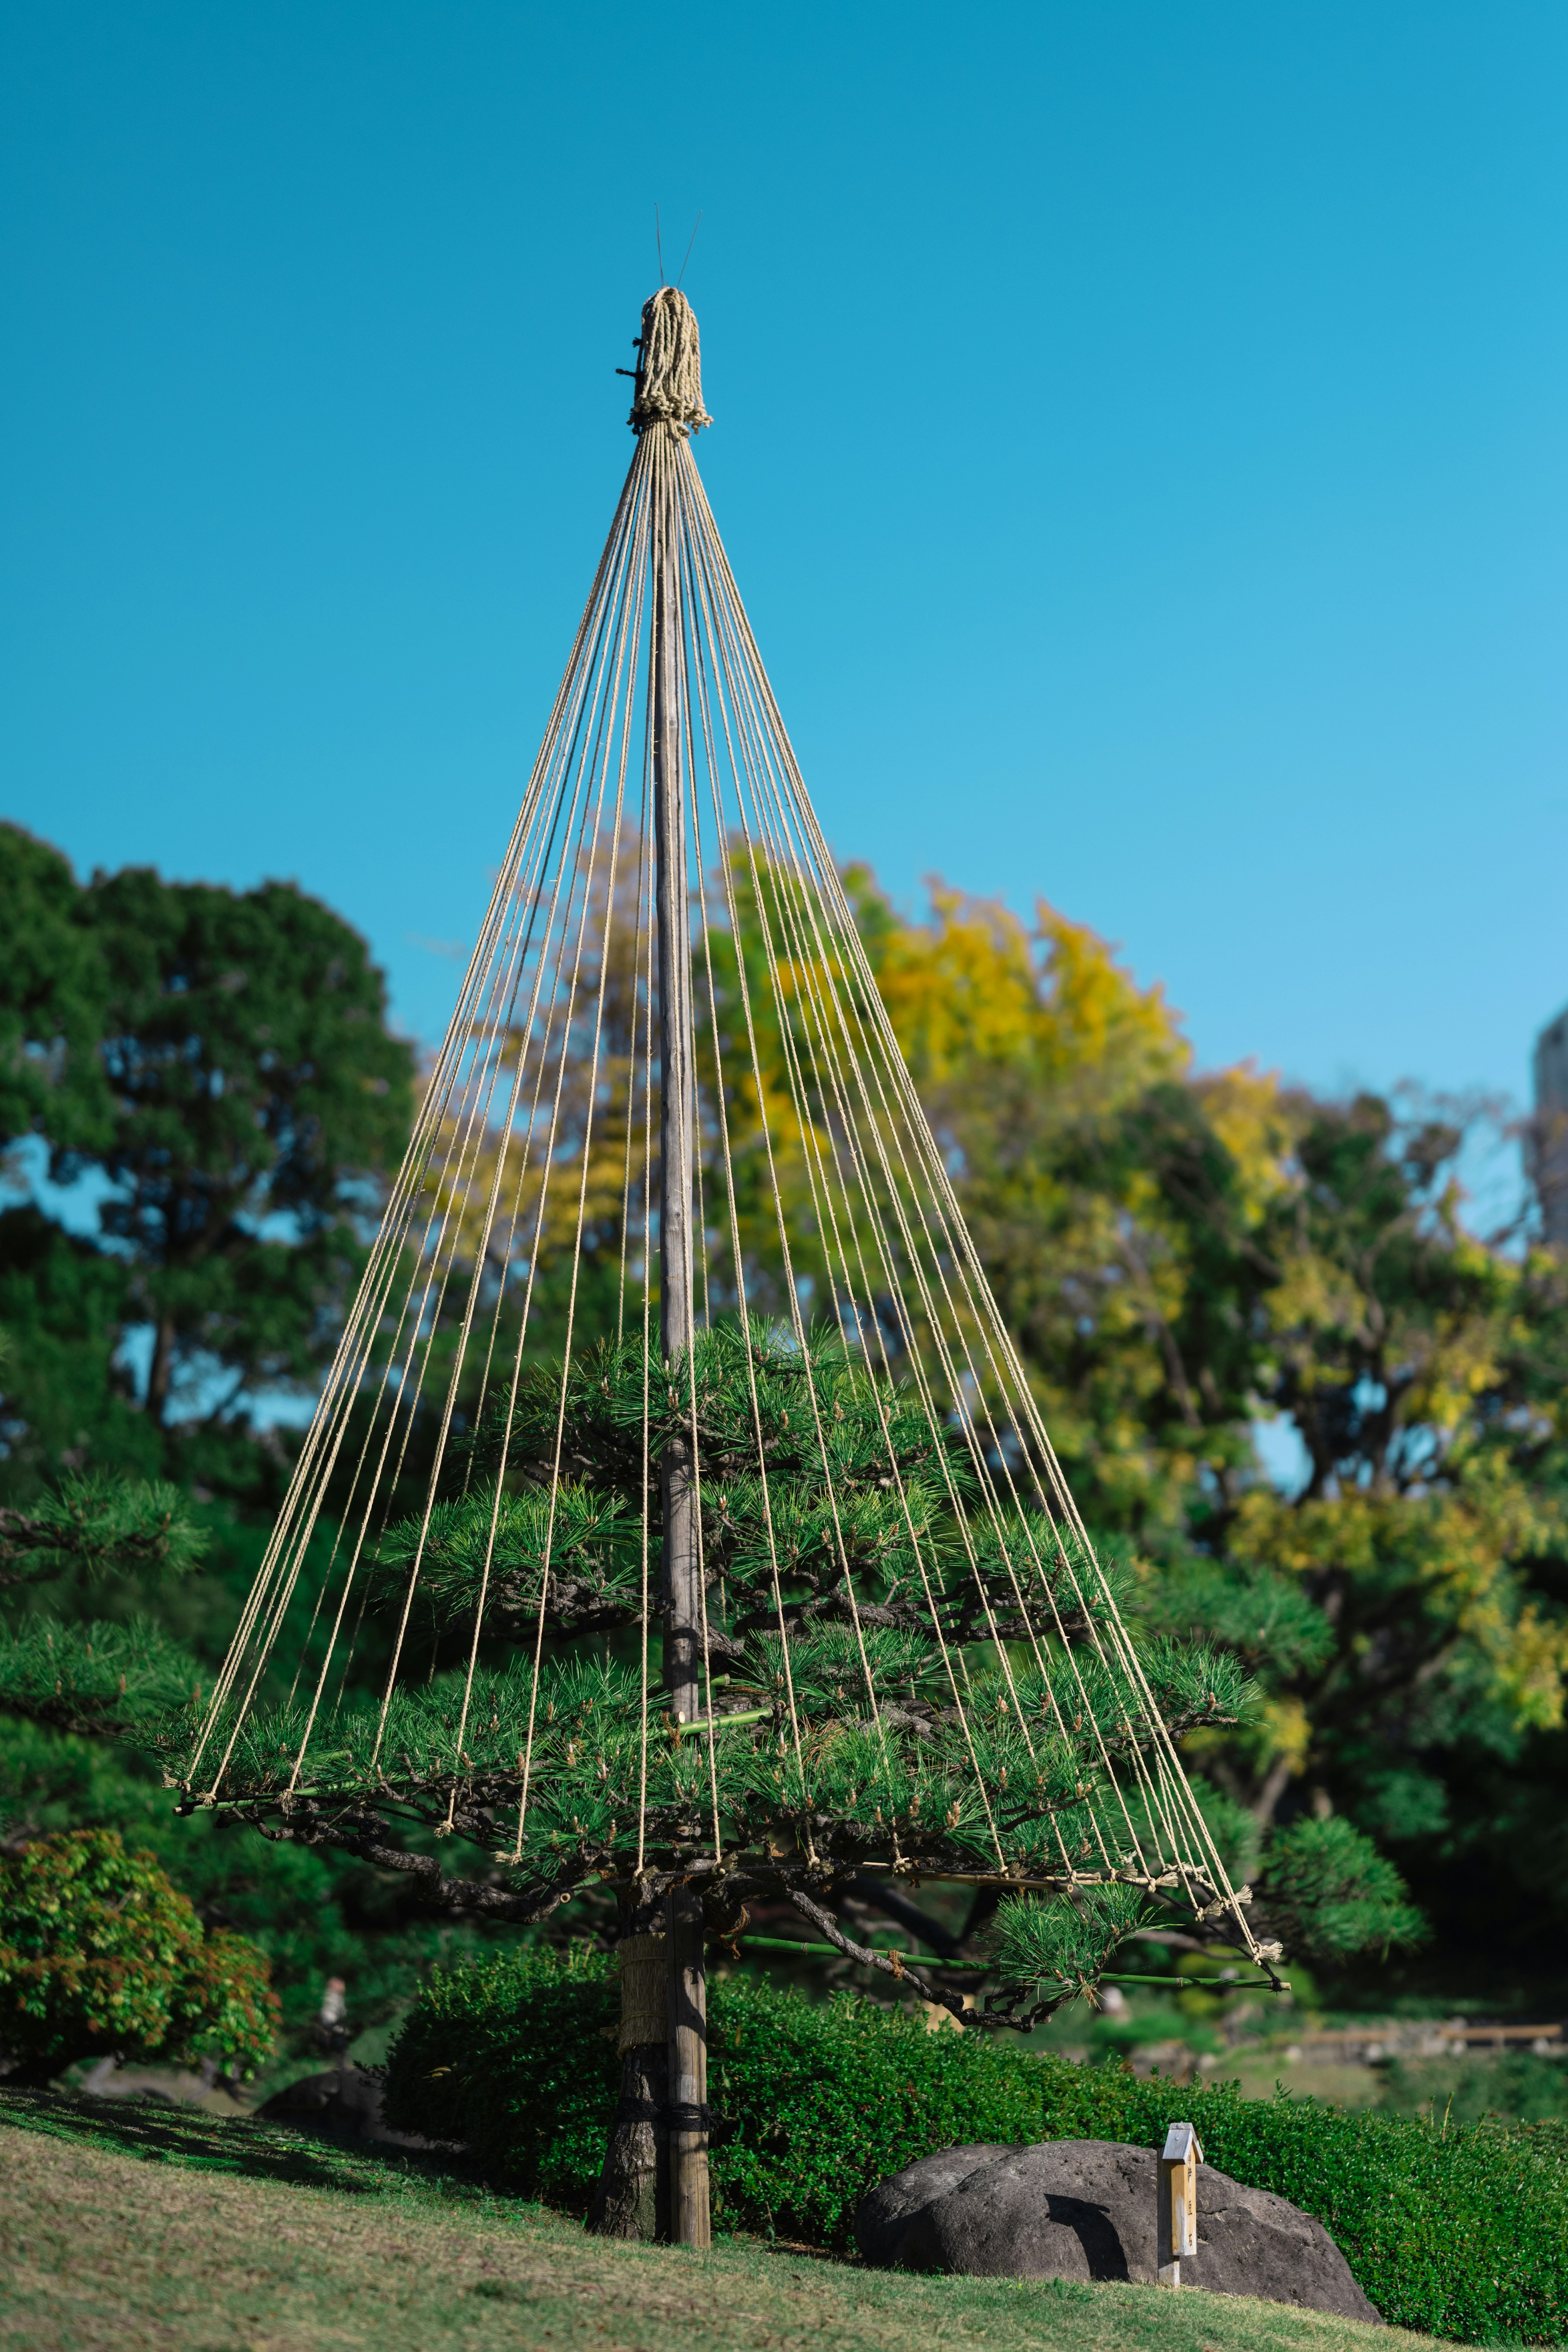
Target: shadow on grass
x=244, y=2145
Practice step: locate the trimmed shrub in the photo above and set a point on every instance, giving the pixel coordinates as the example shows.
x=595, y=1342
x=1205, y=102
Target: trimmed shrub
x=516, y=2059
x=1508, y=2086
x=101, y=1955
x=1462, y=2233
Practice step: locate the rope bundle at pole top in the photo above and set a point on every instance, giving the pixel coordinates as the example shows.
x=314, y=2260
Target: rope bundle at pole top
x=669, y=379
x=899, y=1646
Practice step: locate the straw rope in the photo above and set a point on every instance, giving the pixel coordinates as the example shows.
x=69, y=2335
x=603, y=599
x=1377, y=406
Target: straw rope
x=645, y=1997
x=669, y=380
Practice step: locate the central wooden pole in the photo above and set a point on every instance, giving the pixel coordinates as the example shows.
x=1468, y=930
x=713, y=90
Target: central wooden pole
x=682, y=1564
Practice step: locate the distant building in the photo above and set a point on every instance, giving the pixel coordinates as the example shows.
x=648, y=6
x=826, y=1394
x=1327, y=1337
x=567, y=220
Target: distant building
x=1549, y=1147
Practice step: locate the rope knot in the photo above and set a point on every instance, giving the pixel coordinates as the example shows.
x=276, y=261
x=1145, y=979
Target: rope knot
x=669, y=380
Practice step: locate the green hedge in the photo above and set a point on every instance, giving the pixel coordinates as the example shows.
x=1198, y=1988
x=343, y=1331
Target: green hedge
x=1462, y=2233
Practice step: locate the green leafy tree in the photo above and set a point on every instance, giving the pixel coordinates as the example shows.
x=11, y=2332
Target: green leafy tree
x=218, y=1081
x=53, y=990
x=101, y=1955
x=1424, y=1368
x=1185, y=1257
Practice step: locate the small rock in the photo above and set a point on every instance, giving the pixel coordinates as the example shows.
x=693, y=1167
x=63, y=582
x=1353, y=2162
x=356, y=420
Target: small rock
x=1084, y=2209
x=343, y=2105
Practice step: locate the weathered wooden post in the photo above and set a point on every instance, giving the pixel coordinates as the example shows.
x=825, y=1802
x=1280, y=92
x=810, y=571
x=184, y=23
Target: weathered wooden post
x=1176, y=2218
x=682, y=1560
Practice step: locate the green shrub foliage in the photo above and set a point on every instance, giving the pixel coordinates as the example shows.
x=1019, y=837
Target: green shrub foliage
x=102, y=1956
x=1461, y=2232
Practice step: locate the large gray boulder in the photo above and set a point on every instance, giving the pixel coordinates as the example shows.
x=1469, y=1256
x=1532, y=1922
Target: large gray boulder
x=884, y=2216
x=1084, y=2209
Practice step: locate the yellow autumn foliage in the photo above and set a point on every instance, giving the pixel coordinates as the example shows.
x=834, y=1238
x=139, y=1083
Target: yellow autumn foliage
x=1179, y=1254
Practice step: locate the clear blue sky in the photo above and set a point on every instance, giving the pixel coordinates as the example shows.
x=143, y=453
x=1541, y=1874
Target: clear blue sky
x=1141, y=439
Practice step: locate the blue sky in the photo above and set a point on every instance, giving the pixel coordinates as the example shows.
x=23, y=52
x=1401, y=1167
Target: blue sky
x=1140, y=440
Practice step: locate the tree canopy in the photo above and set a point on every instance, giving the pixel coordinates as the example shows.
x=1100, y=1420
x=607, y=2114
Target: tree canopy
x=52, y=994
x=211, y=1074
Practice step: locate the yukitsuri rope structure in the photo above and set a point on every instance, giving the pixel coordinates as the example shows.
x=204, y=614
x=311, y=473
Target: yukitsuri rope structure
x=677, y=1486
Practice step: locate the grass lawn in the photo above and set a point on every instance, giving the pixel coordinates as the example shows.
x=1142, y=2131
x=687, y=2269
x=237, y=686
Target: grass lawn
x=134, y=2226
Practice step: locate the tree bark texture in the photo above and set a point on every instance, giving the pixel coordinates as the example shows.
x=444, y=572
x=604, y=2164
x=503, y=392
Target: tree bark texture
x=688, y=2068
x=633, y=2198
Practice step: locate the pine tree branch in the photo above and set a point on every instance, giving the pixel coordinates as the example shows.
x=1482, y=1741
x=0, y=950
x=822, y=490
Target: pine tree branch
x=905, y=1914
x=102, y=1527
x=443, y=1891
x=888, y=1964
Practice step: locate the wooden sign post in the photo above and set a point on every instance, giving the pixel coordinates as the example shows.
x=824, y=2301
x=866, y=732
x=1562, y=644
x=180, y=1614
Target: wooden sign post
x=1176, y=2226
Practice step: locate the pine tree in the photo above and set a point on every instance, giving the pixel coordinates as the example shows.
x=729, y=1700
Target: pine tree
x=852, y=1724
x=849, y=1725
x=211, y=1069
x=731, y=1608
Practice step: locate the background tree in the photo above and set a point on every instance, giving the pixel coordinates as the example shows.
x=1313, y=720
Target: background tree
x=53, y=988
x=228, y=1124
x=219, y=1063
x=1186, y=1257
x=1423, y=1368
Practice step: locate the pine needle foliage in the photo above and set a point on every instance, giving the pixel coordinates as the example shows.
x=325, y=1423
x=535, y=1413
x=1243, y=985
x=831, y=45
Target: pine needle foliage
x=1330, y=1893
x=103, y=1678
x=96, y=1526
x=895, y=1679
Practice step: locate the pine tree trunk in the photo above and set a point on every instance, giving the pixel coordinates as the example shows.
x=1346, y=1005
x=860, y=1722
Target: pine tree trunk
x=160, y=1371
x=634, y=2197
